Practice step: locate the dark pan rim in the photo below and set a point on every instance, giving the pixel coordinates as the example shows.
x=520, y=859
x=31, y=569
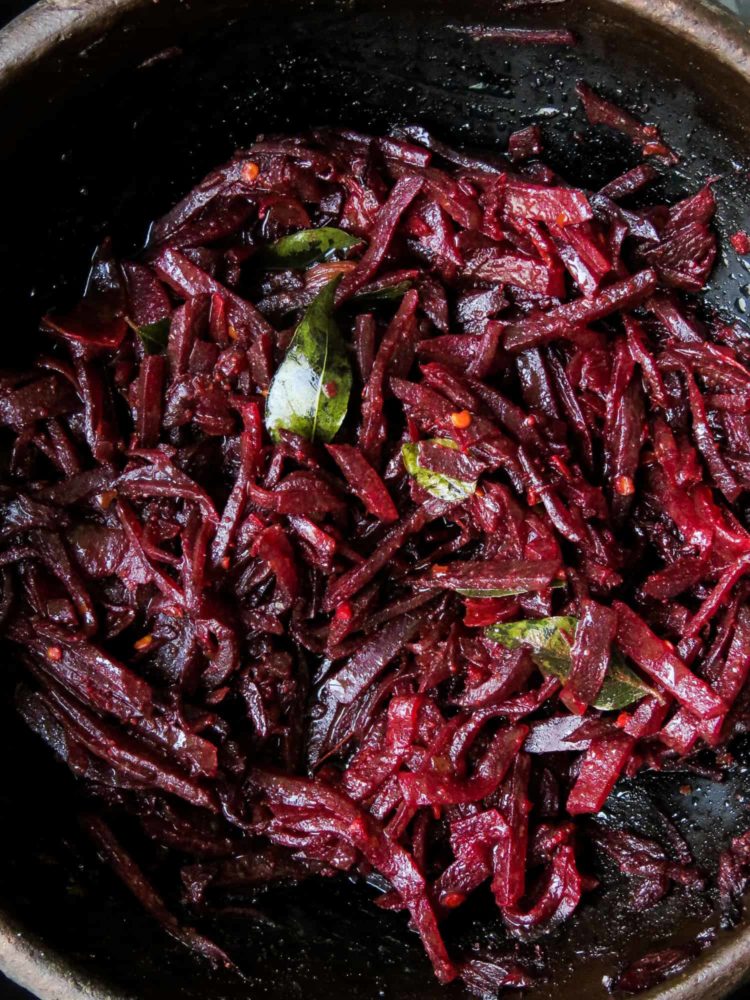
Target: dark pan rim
x=38, y=32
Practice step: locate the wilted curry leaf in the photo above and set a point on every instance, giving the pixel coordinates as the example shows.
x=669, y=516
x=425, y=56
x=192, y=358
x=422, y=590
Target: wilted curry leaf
x=388, y=293
x=154, y=336
x=309, y=394
x=502, y=591
x=549, y=641
x=443, y=487
x=308, y=246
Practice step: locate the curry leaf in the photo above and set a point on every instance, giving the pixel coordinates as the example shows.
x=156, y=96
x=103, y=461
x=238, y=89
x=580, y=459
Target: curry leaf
x=388, y=293
x=502, y=591
x=440, y=486
x=154, y=336
x=549, y=641
x=308, y=246
x=309, y=394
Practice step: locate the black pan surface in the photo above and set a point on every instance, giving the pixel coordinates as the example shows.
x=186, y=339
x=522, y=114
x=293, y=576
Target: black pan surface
x=120, y=139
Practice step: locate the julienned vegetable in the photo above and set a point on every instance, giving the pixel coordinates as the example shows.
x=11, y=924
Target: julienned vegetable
x=375, y=520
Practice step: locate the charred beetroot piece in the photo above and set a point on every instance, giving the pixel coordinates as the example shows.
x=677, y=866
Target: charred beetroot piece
x=376, y=519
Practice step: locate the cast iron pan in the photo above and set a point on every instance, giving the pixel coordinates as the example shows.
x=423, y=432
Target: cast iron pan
x=96, y=136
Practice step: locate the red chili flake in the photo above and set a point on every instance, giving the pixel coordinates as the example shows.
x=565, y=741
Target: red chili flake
x=655, y=149
x=530, y=421
x=106, y=498
x=439, y=570
x=232, y=332
x=54, y=653
x=344, y=612
x=330, y=389
x=625, y=486
x=453, y=899
x=622, y=720
x=686, y=789
x=532, y=498
x=741, y=242
x=225, y=562
x=250, y=171
x=358, y=827
x=412, y=429
x=217, y=696
x=143, y=643
x=562, y=219
x=173, y=611
x=461, y=419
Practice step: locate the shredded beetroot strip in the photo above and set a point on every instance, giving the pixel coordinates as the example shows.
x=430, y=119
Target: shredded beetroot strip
x=272, y=653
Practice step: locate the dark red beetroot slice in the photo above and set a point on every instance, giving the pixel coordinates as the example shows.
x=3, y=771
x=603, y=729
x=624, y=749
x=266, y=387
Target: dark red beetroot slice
x=123, y=865
x=491, y=575
x=654, y=968
x=521, y=36
x=557, y=896
x=590, y=655
x=374, y=764
x=148, y=404
x=353, y=580
x=509, y=855
x=558, y=321
x=601, y=766
x=365, y=481
x=439, y=790
x=525, y=143
x=647, y=719
x=600, y=111
x=473, y=841
x=339, y=814
x=399, y=329
x=732, y=675
x=630, y=182
x=250, y=327
x=559, y=206
x=402, y=195
x=656, y=658
x=149, y=301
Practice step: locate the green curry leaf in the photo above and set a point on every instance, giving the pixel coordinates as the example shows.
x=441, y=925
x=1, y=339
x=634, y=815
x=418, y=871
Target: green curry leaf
x=154, y=336
x=443, y=487
x=308, y=246
x=503, y=591
x=549, y=641
x=388, y=293
x=310, y=391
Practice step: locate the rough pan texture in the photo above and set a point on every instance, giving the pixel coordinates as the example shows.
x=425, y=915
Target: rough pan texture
x=376, y=519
